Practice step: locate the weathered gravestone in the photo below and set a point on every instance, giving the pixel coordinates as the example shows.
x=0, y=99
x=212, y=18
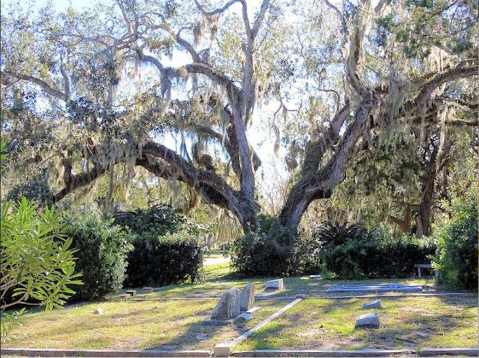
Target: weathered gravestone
x=368, y=321
x=372, y=304
x=98, y=311
x=247, y=297
x=131, y=292
x=228, y=306
x=274, y=284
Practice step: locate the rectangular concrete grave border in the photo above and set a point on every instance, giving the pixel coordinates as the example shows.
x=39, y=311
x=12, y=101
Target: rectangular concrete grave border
x=375, y=288
x=100, y=353
x=436, y=352
x=279, y=297
x=321, y=353
x=224, y=349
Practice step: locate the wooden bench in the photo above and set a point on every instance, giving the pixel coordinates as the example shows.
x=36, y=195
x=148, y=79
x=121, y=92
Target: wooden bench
x=422, y=266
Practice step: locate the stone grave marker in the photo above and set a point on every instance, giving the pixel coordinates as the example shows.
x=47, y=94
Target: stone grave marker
x=131, y=292
x=228, y=306
x=372, y=304
x=98, y=311
x=274, y=284
x=368, y=321
x=247, y=297
x=147, y=289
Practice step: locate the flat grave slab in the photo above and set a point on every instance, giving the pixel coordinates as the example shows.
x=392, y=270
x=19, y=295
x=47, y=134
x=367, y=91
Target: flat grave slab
x=394, y=287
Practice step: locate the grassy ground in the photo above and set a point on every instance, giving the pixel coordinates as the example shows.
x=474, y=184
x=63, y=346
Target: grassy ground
x=133, y=325
x=161, y=323
x=410, y=322
x=213, y=254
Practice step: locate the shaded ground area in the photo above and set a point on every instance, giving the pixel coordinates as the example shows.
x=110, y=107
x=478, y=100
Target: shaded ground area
x=410, y=322
x=133, y=325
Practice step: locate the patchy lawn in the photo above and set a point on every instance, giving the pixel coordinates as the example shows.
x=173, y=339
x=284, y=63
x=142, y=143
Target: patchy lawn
x=133, y=325
x=409, y=322
x=162, y=322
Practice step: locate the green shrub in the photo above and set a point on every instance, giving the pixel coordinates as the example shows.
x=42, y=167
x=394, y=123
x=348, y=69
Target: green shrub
x=165, y=247
x=37, y=190
x=37, y=264
x=456, y=257
x=164, y=260
x=103, y=248
x=376, y=256
x=269, y=253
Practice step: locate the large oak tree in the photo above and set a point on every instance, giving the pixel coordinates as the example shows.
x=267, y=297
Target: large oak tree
x=86, y=91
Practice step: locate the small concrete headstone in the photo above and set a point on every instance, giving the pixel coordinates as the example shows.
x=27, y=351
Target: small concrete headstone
x=147, y=289
x=98, y=311
x=247, y=297
x=131, y=292
x=246, y=316
x=368, y=321
x=228, y=306
x=314, y=277
x=372, y=304
x=275, y=284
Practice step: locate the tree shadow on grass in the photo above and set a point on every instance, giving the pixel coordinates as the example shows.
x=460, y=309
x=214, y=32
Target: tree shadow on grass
x=199, y=332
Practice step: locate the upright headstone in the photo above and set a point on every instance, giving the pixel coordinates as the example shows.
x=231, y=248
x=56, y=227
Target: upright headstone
x=147, y=289
x=247, y=297
x=228, y=306
x=131, y=292
x=275, y=284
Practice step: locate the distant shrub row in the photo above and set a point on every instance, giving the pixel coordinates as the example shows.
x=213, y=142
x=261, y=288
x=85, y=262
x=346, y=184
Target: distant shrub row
x=351, y=252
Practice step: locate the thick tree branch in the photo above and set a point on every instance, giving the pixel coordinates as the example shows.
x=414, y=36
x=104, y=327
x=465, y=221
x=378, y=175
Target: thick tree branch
x=44, y=85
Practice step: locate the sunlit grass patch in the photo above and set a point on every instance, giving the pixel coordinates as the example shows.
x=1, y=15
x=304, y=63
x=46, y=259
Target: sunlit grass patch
x=407, y=322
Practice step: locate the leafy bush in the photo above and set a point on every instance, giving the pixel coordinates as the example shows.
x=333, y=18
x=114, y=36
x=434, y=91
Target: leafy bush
x=165, y=248
x=165, y=260
x=37, y=264
x=456, y=257
x=103, y=249
x=376, y=255
x=37, y=190
x=266, y=253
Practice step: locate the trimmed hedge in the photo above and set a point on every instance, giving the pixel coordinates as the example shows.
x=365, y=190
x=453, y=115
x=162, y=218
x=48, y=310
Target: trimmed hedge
x=165, y=247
